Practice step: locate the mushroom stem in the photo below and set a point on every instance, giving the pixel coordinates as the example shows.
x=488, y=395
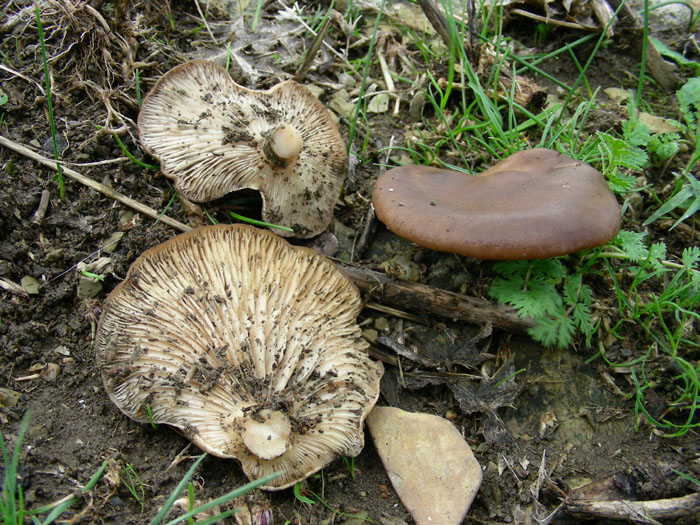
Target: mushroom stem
x=267, y=433
x=283, y=145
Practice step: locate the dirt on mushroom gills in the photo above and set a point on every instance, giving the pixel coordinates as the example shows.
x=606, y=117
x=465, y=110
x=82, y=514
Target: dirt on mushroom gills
x=236, y=135
x=246, y=319
x=286, y=131
x=74, y=426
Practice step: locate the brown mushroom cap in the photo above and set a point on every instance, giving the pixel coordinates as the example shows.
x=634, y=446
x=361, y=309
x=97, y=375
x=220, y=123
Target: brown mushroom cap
x=213, y=137
x=247, y=345
x=532, y=205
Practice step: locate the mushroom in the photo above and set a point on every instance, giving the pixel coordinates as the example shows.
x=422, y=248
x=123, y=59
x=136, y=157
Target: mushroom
x=213, y=137
x=246, y=344
x=532, y=205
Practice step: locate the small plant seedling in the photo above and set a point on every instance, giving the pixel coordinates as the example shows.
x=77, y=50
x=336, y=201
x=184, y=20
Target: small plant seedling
x=350, y=465
x=49, y=104
x=256, y=222
x=133, y=483
x=182, y=486
x=131, y=157
x=150, y=417
x=95, y=277
x=300, y=497
x=545, y=291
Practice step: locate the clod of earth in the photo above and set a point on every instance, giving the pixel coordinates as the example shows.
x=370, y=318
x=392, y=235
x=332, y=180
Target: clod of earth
x=246, y=344
x=532, y=205
x=213, y=137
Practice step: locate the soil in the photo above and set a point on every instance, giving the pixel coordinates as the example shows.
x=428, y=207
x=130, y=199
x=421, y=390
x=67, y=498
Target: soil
x=564, y=410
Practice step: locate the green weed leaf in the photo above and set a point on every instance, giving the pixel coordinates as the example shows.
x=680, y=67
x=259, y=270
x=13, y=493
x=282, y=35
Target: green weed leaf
x=689, y=101
x=570, y=290
x=624, y=153
x=632, y=244
x=581, y=315
x=663, y=146
x=529, y=286
x=687, y=198
x=675, y=56
x=635, y=132
x=690, y=257
x=557, y=331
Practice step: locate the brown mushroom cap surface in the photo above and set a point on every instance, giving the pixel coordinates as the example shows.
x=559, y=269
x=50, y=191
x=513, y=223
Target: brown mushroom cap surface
x=532, y=205
x=213, y=137
x=246, y=344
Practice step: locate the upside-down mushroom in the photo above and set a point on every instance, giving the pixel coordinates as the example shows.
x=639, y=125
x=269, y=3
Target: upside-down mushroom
x=532, y=205
x=248, y=345
x=214, y=137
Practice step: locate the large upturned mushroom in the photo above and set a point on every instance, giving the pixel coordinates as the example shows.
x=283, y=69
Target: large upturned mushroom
x=246, y=344
x=213, y=137
x=532, y=205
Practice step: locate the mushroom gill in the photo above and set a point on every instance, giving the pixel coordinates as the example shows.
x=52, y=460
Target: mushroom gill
x=246, y=344
x=213, y=137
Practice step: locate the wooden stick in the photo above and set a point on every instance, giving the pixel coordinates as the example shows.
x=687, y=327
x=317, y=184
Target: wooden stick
x=105, y=190
x=436, y=19
x=379, y=286
x=637, y=511
x=405, y=294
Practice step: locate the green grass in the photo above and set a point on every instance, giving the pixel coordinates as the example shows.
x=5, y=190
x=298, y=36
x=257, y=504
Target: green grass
x=12, y=505
x=12, y=511
x=49, y=104
x=131, y=480
x=308, y=497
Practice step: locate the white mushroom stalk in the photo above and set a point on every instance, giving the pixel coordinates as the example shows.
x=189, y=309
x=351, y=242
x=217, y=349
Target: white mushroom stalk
x=213, y=137
x=247, y=345
x=283, y=145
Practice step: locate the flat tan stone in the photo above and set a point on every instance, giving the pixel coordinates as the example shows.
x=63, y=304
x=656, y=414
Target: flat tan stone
x=431, y=467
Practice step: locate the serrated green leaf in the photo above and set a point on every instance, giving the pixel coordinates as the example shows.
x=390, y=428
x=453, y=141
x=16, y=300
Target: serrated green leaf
x=657, y=253
x=623, y=153
x=635, y=132
x=581, y=315
x=690, y=257
x=632, y=244
x=510, y=268
x=551, y=270
x=663, y=147
x=621, y=183
x=570, y=289
x=585, y=295
x=536, y=300
x=557, y=331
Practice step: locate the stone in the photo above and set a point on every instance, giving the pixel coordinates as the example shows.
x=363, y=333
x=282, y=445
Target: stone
x=9, y=398
x=88, y=287
x=340, y=103
x=370, y=335
x=30, y=284
x=381, y=324
x=430, y=465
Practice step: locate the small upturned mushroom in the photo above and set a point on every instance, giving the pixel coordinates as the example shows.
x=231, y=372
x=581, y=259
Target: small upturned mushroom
x=213, y=137
x=532, y=205
x=248, y=345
